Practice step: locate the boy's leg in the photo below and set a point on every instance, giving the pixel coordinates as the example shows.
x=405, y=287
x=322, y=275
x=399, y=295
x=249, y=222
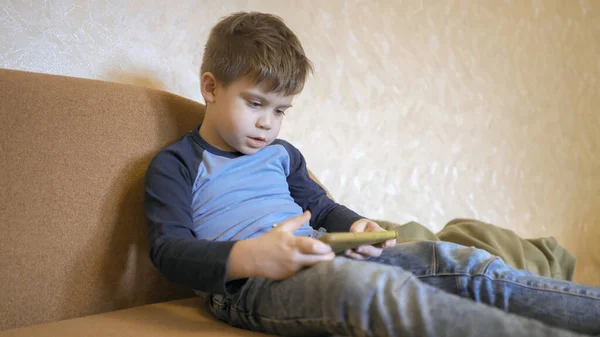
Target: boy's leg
x=478, y=275
x=358, y=298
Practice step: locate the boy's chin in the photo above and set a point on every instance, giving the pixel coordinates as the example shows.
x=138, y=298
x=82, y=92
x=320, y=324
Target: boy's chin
x=251, y=147
x=249, y=150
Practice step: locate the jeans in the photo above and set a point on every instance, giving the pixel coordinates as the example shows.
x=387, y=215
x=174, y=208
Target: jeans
x=414, y=289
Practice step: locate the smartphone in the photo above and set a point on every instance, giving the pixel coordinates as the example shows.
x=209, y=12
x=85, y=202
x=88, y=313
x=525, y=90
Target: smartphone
x=339, y=242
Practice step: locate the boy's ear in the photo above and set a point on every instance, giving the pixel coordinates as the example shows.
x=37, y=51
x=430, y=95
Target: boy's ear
x=208, y=87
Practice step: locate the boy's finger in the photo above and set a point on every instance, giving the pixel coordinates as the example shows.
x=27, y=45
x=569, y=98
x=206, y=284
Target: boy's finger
x=369, y=250
x=359, y=226
x=308, y=245
x=312, y=259
x=387, y=244
x=390, y=243
x=351, y=254
x=294, y=223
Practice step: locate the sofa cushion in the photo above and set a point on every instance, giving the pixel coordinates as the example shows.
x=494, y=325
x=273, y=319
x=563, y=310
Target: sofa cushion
x=189, y=317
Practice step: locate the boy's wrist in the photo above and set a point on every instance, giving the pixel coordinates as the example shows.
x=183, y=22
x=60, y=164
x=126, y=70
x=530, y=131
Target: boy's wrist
x=241, y=262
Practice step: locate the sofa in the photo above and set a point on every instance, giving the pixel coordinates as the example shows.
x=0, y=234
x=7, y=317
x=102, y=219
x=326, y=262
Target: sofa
x=74, y=246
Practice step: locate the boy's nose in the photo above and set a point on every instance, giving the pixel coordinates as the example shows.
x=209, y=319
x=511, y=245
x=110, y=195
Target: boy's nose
x=264, y=123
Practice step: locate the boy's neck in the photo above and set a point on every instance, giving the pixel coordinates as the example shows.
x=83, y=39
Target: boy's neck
x=210, y=135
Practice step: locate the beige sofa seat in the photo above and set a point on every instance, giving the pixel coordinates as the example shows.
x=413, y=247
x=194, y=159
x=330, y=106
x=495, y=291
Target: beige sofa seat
x=187, y=317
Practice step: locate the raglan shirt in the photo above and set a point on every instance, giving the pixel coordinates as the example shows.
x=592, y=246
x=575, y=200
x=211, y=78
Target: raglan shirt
x=200, y=200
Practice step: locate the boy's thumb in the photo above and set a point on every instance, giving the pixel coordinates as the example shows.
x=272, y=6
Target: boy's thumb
x=293, y=224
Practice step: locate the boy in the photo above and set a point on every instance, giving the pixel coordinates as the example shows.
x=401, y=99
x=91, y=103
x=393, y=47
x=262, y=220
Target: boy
x=213, y=197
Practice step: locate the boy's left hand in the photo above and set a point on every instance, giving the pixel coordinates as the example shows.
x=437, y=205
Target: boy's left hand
x=364, y=252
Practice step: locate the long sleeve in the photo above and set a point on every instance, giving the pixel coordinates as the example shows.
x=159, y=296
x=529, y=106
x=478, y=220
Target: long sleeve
x=309, y=195
x=173, y=247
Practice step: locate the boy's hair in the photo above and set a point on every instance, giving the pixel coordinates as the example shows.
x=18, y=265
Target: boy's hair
x=259, y=45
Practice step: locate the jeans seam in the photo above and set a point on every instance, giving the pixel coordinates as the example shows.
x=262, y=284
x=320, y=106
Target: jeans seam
x=445, y=274
x=319, y=320
x=434, y=260
x=515, y=283
x=538, y=288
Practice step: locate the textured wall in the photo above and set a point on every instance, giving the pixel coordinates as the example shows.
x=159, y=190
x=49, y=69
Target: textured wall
x=419, y=110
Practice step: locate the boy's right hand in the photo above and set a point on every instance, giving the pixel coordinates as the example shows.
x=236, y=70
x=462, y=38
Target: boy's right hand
x=278, y=254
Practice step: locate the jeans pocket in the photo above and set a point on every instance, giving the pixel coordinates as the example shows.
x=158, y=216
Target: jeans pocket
x=220, y=307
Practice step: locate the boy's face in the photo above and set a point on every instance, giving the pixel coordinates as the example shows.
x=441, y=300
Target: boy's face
x=244, y=116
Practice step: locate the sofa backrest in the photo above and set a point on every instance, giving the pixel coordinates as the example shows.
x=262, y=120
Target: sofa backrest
x=73, y=154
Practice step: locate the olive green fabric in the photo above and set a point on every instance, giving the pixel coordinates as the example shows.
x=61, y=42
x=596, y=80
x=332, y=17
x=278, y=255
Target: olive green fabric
x=542, y=256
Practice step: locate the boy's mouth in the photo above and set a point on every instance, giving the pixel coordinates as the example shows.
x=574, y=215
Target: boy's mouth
x=256, y=142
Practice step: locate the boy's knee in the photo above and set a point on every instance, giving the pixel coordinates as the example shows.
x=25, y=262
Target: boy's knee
x=457, y=259
x=344, y=276
x=341, y=272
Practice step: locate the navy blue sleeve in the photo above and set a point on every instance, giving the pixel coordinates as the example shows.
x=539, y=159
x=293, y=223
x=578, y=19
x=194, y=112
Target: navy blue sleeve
x=173, y=247
x=309, y=195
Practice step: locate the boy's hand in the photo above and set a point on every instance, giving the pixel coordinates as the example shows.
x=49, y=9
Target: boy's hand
x=366, y=251
x=278, y=254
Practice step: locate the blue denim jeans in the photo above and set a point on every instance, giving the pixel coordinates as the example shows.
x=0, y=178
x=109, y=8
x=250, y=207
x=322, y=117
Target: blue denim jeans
x=414, y=289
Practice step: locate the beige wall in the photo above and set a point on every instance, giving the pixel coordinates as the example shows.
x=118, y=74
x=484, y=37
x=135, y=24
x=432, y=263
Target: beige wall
x=419, y=110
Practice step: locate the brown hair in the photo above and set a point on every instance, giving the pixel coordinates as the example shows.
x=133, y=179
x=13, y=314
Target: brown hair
x=259, y=45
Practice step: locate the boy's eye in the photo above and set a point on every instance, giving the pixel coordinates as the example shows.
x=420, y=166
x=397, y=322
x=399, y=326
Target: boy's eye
x=254, y=104
x=280, y=112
